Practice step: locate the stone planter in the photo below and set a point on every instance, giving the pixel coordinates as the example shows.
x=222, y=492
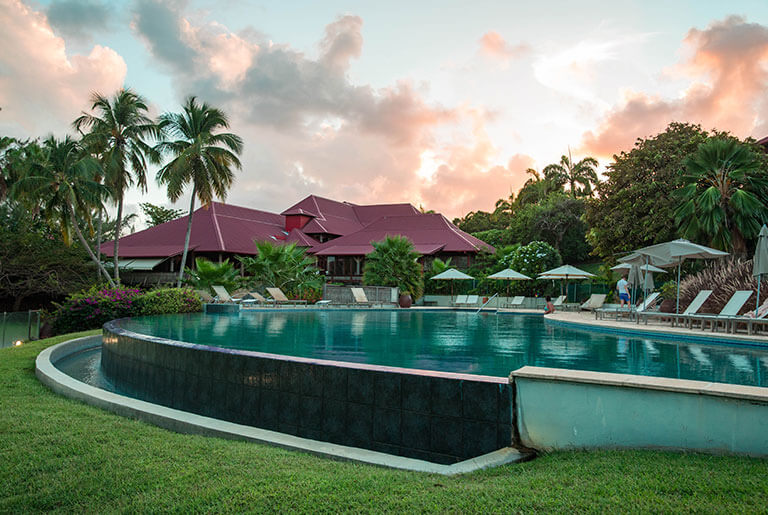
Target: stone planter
x=405, y=300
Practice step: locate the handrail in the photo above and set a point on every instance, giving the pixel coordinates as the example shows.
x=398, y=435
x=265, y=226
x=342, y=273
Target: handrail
x=486, y=303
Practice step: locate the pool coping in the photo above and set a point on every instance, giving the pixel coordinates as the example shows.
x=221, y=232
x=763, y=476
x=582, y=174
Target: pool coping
x=190, y=423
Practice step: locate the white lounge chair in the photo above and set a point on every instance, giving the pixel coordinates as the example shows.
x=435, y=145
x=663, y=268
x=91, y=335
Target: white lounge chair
x=517, y=302
x=461, y=300
x=558, y=302
x=750, y=320
x=472, y=300
x=280, y=297
x=360, y=297
x=692, y=309
x=222, y=295
x=595, y=301
x=729, y=311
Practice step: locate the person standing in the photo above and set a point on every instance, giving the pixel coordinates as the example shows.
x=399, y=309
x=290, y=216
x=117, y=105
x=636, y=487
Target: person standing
x=622, y=288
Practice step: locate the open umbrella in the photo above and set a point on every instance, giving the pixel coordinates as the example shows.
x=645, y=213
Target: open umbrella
x=648, y=270
x=673, y=253
x=509, y=275
x=760, y=261
x=451, y=275
x=565, y=272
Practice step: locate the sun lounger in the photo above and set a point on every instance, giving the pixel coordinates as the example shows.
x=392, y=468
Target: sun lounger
x=461, y=300
x=750, y=320
x=692, y=309
x=222, y=295
x=253, y=297
x=632, y=311
x=472, y=300
x=729, y=311
x=280, y=297
x=517, y=302
x=558, y=302
x=360, y=297
x=595, y=301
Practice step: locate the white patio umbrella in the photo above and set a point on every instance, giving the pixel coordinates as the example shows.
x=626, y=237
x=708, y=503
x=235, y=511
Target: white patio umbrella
x=760, y=261
x=648, y=270
x=451, y=275
x=509, y=275
x=565, y=272
x=673, y=253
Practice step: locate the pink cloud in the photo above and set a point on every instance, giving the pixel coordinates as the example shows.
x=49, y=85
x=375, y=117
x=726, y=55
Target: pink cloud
x=728, y=62
x=42, y=89
x=493, y=44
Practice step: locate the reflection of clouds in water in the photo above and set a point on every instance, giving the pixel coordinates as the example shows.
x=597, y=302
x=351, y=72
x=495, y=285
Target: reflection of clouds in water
x=740, y=363
x=698, y=354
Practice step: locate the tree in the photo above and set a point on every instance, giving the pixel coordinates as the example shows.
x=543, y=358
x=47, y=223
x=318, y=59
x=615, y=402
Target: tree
x=394, y=262
x=283, y=266
x=635, y=206
x=207, y=274
x=120, y=130
x=568, y=172
x=201, y=155
x=63, y=182
x=720, y=202
x=157, y=215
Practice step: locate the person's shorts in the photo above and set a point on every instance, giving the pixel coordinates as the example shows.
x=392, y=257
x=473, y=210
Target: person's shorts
x=624, y=297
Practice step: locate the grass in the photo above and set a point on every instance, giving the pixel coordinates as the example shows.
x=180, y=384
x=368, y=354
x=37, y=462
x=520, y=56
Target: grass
x=59, y=454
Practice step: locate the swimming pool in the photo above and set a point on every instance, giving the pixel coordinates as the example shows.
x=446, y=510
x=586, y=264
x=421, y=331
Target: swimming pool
x=458, y=342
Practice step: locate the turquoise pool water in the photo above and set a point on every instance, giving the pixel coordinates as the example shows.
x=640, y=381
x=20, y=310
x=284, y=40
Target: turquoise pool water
x=485, y=344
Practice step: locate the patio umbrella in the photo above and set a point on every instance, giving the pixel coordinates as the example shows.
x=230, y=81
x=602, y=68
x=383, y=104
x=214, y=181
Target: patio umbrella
x=451, y=275
x=673, y=253
x=647, y=278
x=760, y=261
x=565, y=272
x=509, y=275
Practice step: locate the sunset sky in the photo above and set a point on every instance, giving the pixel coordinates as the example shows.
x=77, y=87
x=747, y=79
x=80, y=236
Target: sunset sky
x=443, y=104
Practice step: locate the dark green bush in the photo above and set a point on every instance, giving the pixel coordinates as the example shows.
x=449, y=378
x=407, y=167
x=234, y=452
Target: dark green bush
x=166, y=301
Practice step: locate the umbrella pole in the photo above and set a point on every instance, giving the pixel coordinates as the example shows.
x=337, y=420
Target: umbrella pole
x=757, y=305
x=677, y=306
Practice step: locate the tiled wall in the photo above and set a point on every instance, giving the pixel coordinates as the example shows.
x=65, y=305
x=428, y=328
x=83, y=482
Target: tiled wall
x=425, y=416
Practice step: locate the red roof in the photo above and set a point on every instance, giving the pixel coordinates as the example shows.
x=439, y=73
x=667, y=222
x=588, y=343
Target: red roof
x=215, y=228
x=339, y=218
x=429, y=233
x=301, y=239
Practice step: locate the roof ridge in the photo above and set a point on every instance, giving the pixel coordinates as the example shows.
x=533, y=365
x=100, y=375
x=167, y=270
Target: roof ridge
x=216, y=227
x=456, y=230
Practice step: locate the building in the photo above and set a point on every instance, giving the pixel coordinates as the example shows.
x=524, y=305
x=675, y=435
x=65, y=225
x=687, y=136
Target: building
x=338, y=233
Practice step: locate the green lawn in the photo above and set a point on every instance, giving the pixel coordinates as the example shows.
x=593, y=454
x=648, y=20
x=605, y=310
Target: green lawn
x=58, y=454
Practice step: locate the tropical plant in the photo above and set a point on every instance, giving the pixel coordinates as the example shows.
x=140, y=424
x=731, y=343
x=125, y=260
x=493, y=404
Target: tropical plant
x=63, y=181
x=207, y=274
x=394, y=262
x=92, y=308
x=437, y=266
x=118, y=133
x=532, y=260
x=287, y=267
x=635, y=206
x=157, y=215
x=724, y=277
x=720, y=202
x=568, y=172
x=202, y=156
x=168, y=300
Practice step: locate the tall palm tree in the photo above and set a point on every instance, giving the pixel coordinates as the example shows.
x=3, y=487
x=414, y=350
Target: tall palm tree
x=721, y=200
x=121, y=129
x=202, y=156
x=568, y=172
x=63, y=181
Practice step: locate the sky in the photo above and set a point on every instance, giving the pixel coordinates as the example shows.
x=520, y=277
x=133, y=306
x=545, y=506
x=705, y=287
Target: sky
x=440, y=104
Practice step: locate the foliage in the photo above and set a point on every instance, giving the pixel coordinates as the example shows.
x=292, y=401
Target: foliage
x=167, y=300
x=394, y=262
x=437, y=266
x=287, y=267
x=567, y=172
x=157, y=215
x=721, y=202
x=92, y=308
x=635, y=206
x=476, y=221
x=495, y=237
x=208, y=274
x=531, y=260
x=668, y=291
x=201, y=156
x=724, y=277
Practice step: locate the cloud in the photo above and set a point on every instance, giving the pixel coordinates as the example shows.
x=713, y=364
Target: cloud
x=727, y=67
x=42, y=89
x=308, y=128
x=494, y=45
x=78, y=19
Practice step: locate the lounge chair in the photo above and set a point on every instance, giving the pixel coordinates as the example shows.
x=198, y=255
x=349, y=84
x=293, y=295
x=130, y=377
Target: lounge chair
x=360, y=297
x=252, y=297
x=222, y=295
x=729, y=311
x=517, y=302
x=750, y=320
x=692, y=309
x=461, y=300
x=558, y=302
x=595, y=301
x=636, y=311
x=280, y=297
x=472, y=300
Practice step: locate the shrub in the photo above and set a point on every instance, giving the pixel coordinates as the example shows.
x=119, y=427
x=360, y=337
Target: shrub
x=91, y=308
x=531, y=260
x=168, y=300
x=724, y=277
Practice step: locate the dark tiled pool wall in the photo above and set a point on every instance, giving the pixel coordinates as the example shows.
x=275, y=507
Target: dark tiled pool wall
x=443, y=420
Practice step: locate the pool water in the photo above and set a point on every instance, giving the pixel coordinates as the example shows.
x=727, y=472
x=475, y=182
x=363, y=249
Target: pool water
x=463, y=342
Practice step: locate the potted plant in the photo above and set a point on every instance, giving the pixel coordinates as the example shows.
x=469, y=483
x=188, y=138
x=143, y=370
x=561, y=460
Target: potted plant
x=394, y=262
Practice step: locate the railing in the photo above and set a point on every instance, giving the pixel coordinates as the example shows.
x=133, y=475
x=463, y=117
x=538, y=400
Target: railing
x=18, y=326
x=486, y=303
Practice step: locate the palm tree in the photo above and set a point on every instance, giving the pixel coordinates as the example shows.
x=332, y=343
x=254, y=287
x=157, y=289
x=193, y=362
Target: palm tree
x=120, y=129
x=201, y=156
x=64, y=182
x=394, y=262
x=720, y=200
x=568, y=172
x=283, y=266
x=208, y=274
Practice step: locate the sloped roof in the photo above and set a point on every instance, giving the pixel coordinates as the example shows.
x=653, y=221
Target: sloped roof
x=340, y=218
x=215, y=228
x=429, y=233
x=301, y=239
